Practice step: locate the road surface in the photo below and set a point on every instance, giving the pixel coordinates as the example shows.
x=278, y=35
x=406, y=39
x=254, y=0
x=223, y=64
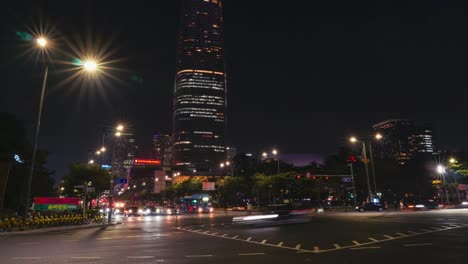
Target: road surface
x=391, y=237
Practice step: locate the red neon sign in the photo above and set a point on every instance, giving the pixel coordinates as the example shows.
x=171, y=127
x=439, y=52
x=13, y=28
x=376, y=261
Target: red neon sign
x=146, y=162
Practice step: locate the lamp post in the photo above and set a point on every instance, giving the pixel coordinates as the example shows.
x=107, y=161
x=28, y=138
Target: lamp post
x=365, y=160
x=222, y=165
x=117, y=134
x=441, y=171
x=41, y=42
x=274, y=153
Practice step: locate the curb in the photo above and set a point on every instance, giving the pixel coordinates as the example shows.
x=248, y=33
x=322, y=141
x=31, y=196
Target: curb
x=59, y=228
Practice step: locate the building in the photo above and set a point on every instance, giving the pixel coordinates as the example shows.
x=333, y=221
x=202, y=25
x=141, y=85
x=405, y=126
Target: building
x=231, y=152
x=144, y=175
x=161, y=142
x=423, y=141
x=200, y=89
x=403, y=140
x=123, y=154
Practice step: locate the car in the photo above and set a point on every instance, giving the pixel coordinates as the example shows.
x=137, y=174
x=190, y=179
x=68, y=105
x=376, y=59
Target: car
x=133, y=211
x=149, y=210
x=170, y=210
x=205, y=209
x=370, y=207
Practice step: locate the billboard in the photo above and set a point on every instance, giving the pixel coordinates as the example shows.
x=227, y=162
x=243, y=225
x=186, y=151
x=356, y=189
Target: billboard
x=55, y=203
x=208, y=186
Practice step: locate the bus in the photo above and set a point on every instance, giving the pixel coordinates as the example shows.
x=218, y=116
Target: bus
x=197, y=203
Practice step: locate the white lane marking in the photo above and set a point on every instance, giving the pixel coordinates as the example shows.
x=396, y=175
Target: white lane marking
x=336, y=246
x=86, y=257
x=415, y=245
x=400, y=234
x=140, y=257
x=250, y=254
x=224, y=235
x=425, y=230
x=30, y=243
x=298, y=246
x=248, y=239
x=206, y=232
x=234, y=237
x=280, y=244
x=152, y=235
x=27, y=258
x=373, y=239
x=215, y=233
x=436, y=228
x=357, y=248
x=263, y=241
x=389, y=237
x=105, y=238
x=412, y=232
x=355, y=242
x=316, y=249
x=446, y=227
x=71, y=240
x=198, y=256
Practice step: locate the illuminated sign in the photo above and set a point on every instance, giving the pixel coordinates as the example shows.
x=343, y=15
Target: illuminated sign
x=146, y=162
x=56, y=200
x=55, y=204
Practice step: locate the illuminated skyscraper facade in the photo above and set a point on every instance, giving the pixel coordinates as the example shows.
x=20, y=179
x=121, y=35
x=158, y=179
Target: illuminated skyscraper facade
x=200, y=88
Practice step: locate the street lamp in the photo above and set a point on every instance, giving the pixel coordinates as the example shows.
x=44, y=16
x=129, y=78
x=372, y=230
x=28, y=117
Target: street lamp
x=274, y=153
x=227, y=164
x=452, y=160
x=91, y=162
x=365, y=160
x=441, y=171
x=42, y=44
x=120, y=127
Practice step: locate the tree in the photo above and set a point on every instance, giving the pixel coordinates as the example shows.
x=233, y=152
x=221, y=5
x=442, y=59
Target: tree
x=12, y=141
x=79, y=174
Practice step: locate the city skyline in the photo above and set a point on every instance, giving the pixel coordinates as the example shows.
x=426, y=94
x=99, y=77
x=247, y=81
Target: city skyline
x=324, y=56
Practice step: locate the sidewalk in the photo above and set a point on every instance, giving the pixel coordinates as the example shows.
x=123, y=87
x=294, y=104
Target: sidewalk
x=57, y=228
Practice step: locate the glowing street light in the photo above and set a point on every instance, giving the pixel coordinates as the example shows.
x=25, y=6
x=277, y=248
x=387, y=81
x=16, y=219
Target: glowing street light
x=378, y=136
x=90, y=66
x=274, y=152
x=440, y=169
x=103, y=149
x=41, y=42
x=221, y=165
x=98, y=152
x=353, y=139
x=91, y=162
x=264, y=154
x=452, y=160
x=118, y=134
x=120, y=127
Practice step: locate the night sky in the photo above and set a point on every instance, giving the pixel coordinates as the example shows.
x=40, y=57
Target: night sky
x=302, y=75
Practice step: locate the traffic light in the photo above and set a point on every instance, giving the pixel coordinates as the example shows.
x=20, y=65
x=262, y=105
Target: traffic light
x=298, y=177
x=351, y=159
x=326, y=178
x=314, y=177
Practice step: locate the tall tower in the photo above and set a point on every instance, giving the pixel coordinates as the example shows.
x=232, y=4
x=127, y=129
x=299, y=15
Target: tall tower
x=200, y=88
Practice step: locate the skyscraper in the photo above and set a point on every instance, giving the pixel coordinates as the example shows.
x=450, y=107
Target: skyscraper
x=403, y=140
x=200, y=88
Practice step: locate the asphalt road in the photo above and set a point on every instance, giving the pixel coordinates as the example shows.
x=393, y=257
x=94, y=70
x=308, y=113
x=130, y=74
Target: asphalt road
x=389, y=237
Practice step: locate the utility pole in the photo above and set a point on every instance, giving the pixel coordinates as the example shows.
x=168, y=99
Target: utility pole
x=354, y=185
x=364, y=152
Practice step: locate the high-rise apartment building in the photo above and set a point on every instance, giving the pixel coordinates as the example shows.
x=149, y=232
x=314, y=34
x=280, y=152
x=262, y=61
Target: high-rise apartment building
x=403, y=140
x=200, y=88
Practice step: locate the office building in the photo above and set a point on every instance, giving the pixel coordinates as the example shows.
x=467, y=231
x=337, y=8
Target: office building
x=403, y=140
x=200, y=89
